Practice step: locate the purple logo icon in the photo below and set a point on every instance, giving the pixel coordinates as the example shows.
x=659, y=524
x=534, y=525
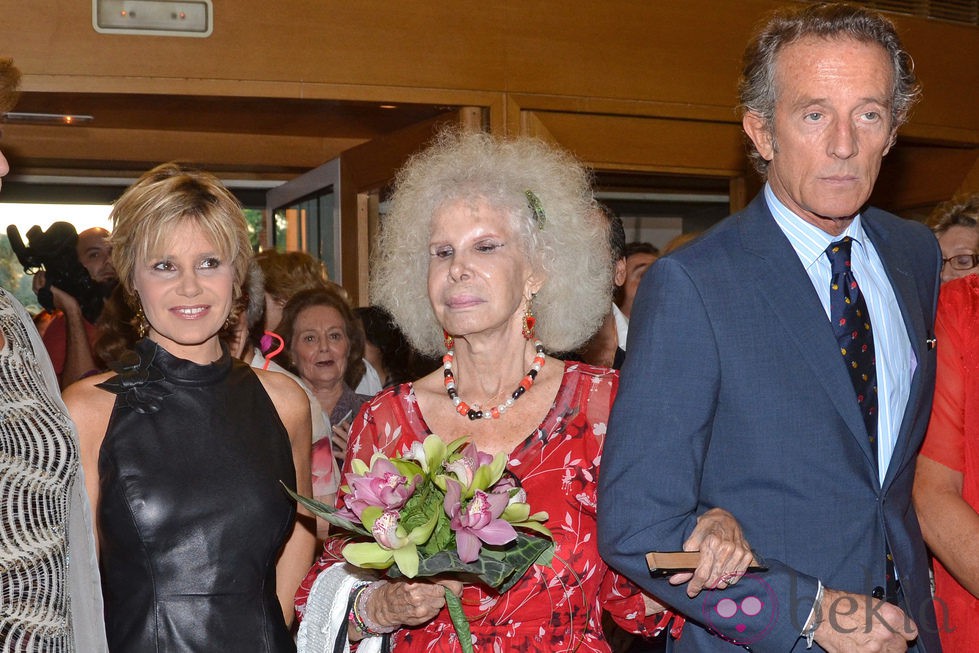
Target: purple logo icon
x=750, y=617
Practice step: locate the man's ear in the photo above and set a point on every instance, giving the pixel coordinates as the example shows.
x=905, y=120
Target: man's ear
x=618, y=277
x=890, y=142
x=758, y=130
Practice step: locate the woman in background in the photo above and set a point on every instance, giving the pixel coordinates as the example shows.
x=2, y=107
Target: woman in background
x=956, y=225
x=286, y=273
x=186, y=449
x=324, y=346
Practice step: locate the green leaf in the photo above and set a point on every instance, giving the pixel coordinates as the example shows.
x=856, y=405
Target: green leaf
x=422, y=533
x=421, y=506
x=442, y=536
x=546, y=558
x=521, y=556
x=459, y=621
x=329, y=513
x=498, y=567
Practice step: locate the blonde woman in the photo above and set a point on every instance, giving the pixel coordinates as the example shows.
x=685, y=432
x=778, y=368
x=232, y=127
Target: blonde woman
x=184, y=448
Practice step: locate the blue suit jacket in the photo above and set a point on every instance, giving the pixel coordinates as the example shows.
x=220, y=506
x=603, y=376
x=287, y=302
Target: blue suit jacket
x=734, y=395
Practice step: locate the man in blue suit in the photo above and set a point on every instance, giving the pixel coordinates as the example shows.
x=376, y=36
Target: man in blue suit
x=781, y=366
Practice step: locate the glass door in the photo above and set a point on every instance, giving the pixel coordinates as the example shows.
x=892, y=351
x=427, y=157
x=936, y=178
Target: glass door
x=305, y=215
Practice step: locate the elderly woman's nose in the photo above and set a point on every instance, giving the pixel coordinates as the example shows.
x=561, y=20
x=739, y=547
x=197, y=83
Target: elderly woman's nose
x=459, y=266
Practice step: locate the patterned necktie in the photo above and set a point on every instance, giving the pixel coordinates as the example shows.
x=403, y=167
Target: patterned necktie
x=851, y=325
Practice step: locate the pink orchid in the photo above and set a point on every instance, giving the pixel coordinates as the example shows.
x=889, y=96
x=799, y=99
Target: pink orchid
x=478, y=521
x=508, y=485
x=381, y=486
x=469, y=460
x=385, y=530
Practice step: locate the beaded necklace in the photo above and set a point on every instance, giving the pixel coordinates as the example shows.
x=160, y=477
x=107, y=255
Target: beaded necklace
x=474, y=412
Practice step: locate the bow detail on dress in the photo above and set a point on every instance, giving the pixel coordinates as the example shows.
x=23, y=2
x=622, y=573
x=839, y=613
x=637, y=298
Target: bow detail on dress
x=141, y=385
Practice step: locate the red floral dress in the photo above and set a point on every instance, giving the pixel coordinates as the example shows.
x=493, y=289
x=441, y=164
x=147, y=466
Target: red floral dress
x=555, y=608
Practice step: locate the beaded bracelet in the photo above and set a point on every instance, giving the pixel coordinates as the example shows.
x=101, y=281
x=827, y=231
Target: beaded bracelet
x=362, y=622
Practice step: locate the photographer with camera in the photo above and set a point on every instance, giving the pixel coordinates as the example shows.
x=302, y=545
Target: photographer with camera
x=71, y=334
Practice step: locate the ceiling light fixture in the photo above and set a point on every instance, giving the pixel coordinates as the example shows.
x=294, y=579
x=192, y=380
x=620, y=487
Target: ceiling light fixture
x=193, y=18
x=27, y=118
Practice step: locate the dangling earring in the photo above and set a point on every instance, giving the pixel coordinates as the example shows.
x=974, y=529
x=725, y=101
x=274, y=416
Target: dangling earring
x=449, y=340
x=529, y=322
x=142, y=324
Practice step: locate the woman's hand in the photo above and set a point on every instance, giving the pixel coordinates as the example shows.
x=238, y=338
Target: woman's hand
x=724, y=553
x=407, y=603
x=651, y=605
x=341, y=433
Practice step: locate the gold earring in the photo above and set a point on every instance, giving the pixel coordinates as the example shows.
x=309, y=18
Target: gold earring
x=529, y=322
x=142, y=324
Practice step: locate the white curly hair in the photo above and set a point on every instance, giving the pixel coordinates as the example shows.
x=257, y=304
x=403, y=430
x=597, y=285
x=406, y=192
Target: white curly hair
x=570, y=249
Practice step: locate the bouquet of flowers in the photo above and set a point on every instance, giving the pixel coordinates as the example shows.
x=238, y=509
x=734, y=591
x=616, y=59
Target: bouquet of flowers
x=440, y=509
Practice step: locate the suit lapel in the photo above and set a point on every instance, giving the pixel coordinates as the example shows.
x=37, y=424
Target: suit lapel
x=906, y=291
x=796, y=306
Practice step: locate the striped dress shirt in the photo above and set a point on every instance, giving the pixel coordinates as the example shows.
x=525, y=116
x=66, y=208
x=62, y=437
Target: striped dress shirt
x=895, y=360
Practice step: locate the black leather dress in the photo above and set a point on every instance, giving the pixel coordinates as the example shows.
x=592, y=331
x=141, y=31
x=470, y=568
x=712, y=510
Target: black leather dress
x=192, y=514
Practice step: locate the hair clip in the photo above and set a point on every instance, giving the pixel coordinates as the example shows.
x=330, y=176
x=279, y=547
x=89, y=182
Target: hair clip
x=535, y=206
x=266, y=343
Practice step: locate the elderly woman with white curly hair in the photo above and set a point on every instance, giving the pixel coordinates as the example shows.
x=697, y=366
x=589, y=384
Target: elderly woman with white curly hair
x=493, y=255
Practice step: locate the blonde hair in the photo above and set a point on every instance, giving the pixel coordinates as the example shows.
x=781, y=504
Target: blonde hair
x=961, y=211
x=569, y=248
x=9, y=83
x=286, y=273
x=170, y=195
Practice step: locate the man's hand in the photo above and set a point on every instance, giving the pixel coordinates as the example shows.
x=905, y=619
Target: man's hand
x=62, y=300
x=856, y=622
x=65, y=302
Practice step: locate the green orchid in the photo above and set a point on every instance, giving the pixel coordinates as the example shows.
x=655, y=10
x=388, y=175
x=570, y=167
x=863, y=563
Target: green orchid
x=392, y=544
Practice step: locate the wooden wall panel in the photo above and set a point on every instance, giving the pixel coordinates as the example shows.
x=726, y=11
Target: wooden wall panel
x=629, y=84
x=913, y=176
x=369, y=42
x=647, y=144
x=153, y=147
x=680, y=54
